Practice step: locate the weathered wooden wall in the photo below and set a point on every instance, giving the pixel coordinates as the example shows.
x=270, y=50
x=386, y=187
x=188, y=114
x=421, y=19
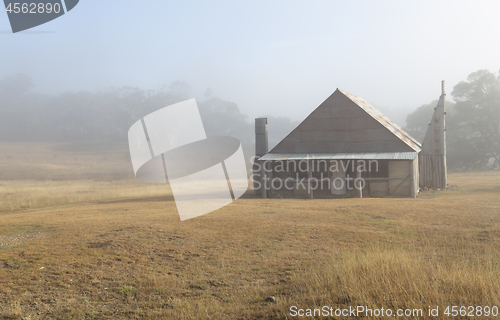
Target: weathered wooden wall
x=402, y=181
x=432, y=169
x=400, y=174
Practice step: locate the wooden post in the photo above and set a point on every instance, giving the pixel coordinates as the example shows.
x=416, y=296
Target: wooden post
x=309, y=177
x=445, y=175
x=358, y=176
x=271, y=175
x=413, y=188
x=263, y=180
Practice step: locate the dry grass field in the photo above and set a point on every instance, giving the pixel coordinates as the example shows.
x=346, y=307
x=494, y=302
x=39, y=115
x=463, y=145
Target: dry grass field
x=93, y=243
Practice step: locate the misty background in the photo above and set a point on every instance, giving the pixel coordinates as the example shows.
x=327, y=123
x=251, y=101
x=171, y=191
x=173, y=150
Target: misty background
x=90, y=74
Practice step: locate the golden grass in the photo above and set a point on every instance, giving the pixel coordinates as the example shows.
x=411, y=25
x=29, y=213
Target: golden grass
x=30, y=194
x=119, y=251
x=64, y=161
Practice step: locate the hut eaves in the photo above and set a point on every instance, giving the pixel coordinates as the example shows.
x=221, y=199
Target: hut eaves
x=340, y=156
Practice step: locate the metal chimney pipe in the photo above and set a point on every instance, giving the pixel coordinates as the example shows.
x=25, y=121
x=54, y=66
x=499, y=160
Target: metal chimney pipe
x=442, y=87
x=261, y=148
x=261, y=142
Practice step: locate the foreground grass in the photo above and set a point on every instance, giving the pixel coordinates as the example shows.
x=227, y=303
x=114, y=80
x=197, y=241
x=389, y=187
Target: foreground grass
x=133, y=259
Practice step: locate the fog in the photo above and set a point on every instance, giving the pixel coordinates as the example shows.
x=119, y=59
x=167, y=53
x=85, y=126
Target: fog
x=279, y=58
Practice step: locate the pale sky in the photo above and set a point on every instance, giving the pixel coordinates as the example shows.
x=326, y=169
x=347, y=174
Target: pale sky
x=280, y=58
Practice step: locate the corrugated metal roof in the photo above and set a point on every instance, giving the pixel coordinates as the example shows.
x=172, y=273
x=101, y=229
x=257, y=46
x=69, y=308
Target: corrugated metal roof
x=382, y=119
x=341, y=156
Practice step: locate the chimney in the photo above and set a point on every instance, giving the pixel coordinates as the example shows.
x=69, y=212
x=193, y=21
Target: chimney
x=432, y=158
x=261, y=145
x=261, y=148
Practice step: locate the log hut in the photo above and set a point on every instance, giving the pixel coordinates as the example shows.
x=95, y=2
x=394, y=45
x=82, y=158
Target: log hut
x=348, y=148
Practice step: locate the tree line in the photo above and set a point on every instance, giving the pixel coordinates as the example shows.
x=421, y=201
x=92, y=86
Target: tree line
x=472, y=121
x=108, y=114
